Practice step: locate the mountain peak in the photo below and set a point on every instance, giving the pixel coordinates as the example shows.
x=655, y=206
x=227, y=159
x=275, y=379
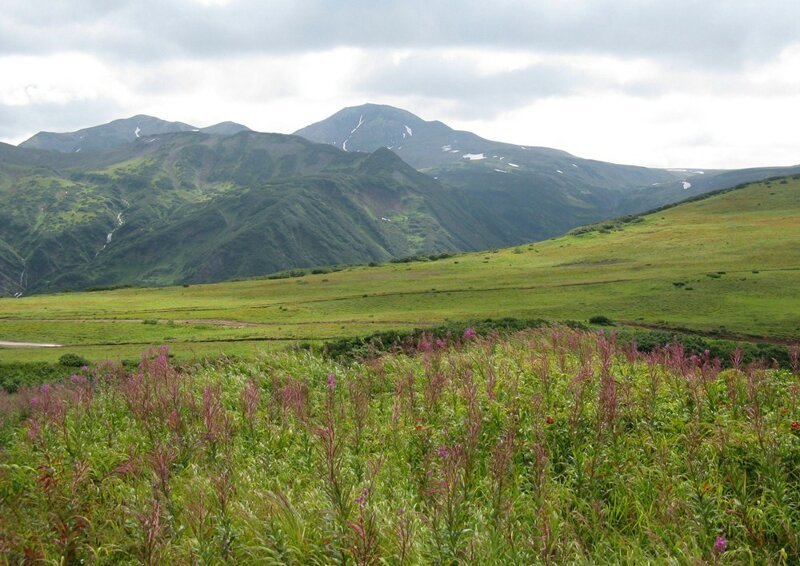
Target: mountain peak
x=226, y=128
x=370, y=126
x=119, y=132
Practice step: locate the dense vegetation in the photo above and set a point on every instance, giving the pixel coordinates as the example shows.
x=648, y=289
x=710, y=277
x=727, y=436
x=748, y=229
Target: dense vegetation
x=553, y=445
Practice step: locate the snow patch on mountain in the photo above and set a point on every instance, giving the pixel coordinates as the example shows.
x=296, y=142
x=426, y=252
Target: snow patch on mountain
x=409, y=131
x=686, y=185
x=136, y=131
x=474, y=156
x=353, y=131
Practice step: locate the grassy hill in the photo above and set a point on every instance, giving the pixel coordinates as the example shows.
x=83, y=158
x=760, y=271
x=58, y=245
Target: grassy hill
x=728, y=263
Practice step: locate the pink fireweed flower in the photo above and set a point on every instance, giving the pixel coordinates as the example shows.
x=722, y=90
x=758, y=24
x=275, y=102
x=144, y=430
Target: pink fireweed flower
x=720, y=545
x=362, y=499
x=78, y=379
x=331, y=380
x=469, y=334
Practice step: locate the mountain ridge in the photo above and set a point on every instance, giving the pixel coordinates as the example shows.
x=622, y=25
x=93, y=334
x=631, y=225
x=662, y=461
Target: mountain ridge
x=119, y=132
x=157, y=206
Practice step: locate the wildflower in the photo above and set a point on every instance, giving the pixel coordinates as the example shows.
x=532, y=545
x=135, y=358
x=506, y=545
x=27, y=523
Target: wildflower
x=469, y=334
x=78, y=379
x=795, y=425
x=442, y=452
x=362, y=499
x=331, y=381
x=720, y=545
x=549, y=420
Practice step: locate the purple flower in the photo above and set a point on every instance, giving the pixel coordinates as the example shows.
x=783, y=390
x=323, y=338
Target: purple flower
x=469, y=333
x=442, y=452
x=362, y=499
x=78, y=380
x=720, y=545
x=331, y=381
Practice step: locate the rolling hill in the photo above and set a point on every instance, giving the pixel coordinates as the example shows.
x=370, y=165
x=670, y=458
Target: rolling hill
x=726, y=264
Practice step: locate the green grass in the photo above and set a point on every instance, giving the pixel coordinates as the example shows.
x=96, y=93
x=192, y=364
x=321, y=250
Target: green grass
x=551, y=446
x=654, y=272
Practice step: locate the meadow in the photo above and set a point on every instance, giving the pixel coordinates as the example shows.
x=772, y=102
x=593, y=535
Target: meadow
x=548, y=446
x=728, y=264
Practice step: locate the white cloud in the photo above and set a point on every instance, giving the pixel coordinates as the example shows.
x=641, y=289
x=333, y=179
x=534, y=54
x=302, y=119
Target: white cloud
x=678, y=83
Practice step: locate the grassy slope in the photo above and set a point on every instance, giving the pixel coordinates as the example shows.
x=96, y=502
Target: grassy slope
x=626, y=275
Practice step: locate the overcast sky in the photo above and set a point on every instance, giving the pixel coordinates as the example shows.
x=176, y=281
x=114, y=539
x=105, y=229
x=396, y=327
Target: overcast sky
x=690, y=83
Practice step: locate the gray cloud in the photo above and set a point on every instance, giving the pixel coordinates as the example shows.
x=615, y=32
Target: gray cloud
x=706, y=33
x=469, y=93
x=23, y=121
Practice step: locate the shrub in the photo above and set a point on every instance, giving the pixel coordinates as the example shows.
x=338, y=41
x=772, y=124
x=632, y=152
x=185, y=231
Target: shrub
x=73, y=361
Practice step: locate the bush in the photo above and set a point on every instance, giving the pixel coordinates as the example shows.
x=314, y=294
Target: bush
x=601, y=320
x=73, y=361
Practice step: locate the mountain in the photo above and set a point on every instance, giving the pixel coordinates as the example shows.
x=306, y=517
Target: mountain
x=521, y=193
x=120, y=132
x=151, y=202
x=431, y=145
x=189, y=207
x=225, y=129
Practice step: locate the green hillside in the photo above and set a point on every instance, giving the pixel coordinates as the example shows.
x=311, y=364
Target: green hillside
x=728, y=263
x=190, y=207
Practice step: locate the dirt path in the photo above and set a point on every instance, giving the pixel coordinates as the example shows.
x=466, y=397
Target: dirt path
x=8, y=344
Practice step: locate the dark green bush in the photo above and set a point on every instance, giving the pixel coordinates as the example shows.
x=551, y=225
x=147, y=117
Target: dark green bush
x=73, y=361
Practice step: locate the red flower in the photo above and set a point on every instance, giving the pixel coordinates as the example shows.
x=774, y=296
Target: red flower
x=795, y=425
x=549, y=420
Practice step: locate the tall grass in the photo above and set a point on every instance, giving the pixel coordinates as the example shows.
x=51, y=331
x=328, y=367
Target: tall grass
x=551, y=445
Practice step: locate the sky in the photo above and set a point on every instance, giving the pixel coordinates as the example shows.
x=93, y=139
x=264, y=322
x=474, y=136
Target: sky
x=664, y=83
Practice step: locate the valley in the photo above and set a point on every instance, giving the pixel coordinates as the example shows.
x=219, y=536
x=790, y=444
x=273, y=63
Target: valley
x=725, y=264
